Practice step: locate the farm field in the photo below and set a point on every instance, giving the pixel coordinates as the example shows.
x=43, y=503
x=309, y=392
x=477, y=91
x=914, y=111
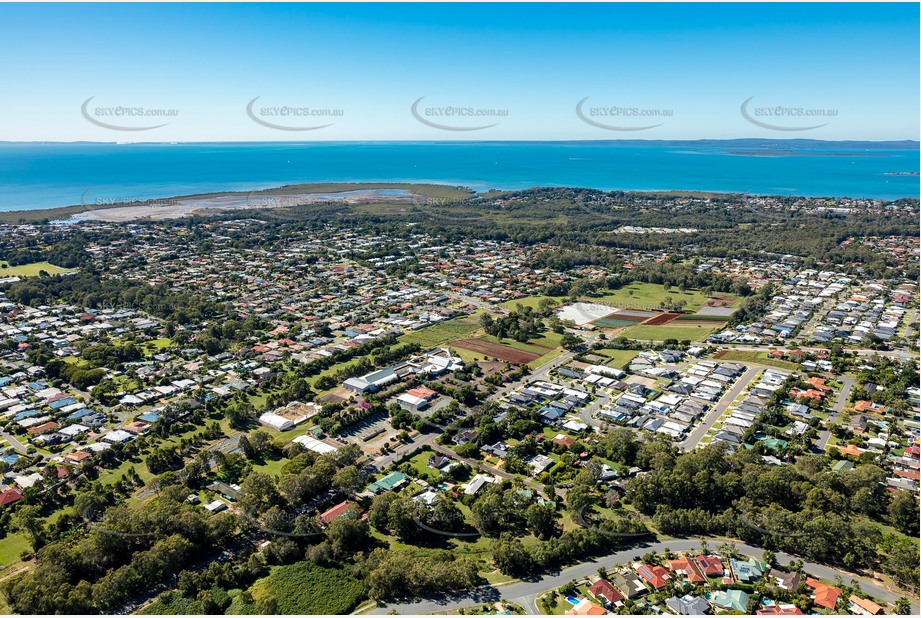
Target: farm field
x=31, y=270
x=497, y=350
x=613, y=323
x=639, y=295
x=687, y=330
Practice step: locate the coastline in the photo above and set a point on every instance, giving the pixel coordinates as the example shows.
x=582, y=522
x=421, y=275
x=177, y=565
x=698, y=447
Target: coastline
x=179, y=206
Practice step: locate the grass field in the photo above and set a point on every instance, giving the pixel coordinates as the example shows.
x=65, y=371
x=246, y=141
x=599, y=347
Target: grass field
x=661, y=333
x=444, y=332
x=642, y=295
x=158, y=344
x=31, y=270
x=619, y=358
x=306, y=588
x=750, y=356
x=530, y=301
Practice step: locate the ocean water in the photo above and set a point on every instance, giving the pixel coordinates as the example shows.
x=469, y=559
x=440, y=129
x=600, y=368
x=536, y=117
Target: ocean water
x=46, y=175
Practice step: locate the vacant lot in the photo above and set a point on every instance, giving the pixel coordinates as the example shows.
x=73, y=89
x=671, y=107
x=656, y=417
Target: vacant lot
x=497, y=350
x=305, y=588
x=651, y=295
x=619, y=358
x=31, y=270
x=751, y=356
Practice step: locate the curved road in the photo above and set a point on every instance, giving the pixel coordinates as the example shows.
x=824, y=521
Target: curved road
x=525, y=592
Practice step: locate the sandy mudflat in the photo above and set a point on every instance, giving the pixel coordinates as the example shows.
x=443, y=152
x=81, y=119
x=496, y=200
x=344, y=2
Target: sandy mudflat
x=174, y=208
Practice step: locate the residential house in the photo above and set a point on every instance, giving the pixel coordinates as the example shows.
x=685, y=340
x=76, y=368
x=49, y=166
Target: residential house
x=824, y=595
x=628, y=584
x=748, y=571
x=343, y=508
x=863, y=607
x=688, y=605
x=655, y=575
x=711, y=566
x=736, y=600
x=783, y=609
x=686, y=568
x=586, y=608
x=605, y=591
x=788, y=580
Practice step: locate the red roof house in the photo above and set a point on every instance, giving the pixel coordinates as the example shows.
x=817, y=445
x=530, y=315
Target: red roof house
x=825, y=596
x=655, y=575
x=603, y=589
x=709, y=565
x=9, y=496
x=686, y=567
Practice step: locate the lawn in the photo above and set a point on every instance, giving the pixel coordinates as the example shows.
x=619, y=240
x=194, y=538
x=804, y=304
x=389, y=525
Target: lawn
x=306, y=588
x=668, y=331
x=11, y=546
x=272, y=467
x=158, y=344
x=639, y=295
x=31, y=270
x=420, y=467
x=619, y=358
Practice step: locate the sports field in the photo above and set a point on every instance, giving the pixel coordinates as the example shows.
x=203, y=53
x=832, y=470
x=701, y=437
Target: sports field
x=31, y=270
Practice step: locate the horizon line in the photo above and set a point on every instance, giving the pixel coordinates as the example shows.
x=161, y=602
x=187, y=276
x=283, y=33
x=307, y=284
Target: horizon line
x=471, y=141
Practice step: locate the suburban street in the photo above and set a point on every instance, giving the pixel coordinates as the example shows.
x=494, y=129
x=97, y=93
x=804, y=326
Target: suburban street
x=16, y=444
x=847, y=384
x=525, y=593
x=693, y=439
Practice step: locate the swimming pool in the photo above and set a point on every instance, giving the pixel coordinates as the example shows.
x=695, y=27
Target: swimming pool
x=572, y=600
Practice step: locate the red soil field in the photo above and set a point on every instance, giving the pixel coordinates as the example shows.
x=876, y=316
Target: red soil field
x=496, y=350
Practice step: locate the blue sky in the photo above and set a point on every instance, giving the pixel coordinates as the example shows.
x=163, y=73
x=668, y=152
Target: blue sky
x=687, y=68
